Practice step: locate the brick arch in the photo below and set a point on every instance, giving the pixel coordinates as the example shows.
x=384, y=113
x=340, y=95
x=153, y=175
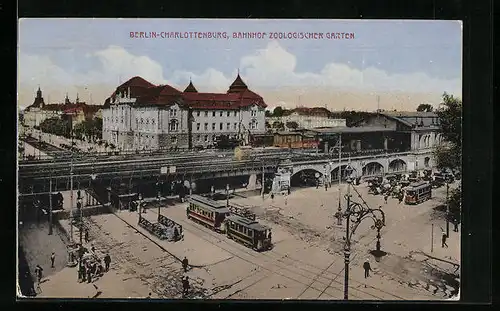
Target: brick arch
x=397, y=165
x=305, y=168
x=334, y=172
x=373, y=168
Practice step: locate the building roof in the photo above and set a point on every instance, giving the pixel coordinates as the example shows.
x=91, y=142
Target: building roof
x=190, y=88
x=304, y=111
x=415, y=119
x=252, y=224
x=146, y=93
x=345, y=129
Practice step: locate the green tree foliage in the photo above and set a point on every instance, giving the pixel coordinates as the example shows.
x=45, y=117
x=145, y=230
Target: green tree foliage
x=449, y=155
x=292, y=125
x=425, y=108
x=56, y=126
x=269, y=114
x=278, y=112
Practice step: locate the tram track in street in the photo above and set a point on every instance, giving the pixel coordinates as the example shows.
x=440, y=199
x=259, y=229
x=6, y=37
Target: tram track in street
x=236, y=251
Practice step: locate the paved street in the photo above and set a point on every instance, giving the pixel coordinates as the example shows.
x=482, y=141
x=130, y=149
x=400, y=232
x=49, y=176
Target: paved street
x=305, y=263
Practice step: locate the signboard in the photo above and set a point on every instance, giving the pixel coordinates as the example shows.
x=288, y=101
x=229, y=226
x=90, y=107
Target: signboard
x=164, y=170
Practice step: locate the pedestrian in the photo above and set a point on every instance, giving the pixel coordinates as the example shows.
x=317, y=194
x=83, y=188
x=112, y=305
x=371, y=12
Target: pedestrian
x=289, y=191
x=86, y=235
x=272, y=197
x=385, y=198
x=149, y=296
x=39, y=273
x=455, y=225
x=443, y=239
x=185, y=286
x=52, y=259
x=185, y=264
x=107, y=261
x=286, y=200
x=400, y=198
x=89, y=274
x=366, y=266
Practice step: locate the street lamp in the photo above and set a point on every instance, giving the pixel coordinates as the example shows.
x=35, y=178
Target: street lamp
x=158, y=197
x=339, y=209
x=140, y=206
x=447, y=209
x=227, y=195
x=356, y=213
x=79, y=204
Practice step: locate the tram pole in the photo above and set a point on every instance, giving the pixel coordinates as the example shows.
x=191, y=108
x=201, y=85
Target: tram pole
x=50, y=205
x=263, y=181
x=339, y=210
x=347, y=247
x=227, y=195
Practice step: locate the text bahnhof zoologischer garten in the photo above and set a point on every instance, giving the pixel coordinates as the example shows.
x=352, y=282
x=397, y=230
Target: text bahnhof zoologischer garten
x=241, y=35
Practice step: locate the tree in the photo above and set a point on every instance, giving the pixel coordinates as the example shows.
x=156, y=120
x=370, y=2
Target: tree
x=292, y=125
x=449, y=155
x=425, y=108
x=269, y=114
x=278, y=125
x=278, y=112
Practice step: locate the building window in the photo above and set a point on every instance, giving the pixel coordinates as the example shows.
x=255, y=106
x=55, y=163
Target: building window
x=221, y=113
x=147, y=121
x=173, y=126
x=213, y=113
x=220, y=126
x=214, y=137
x=228, y=126
x=198, y=113
x=206, y=138
x=173, y=112
x=213, y=126
x=229, y=113
x=235, y=126
x=254, y=113
x=173, y=140
x=206, y=126
x=197, y=126
x=206, y=113
x=153, y=121
x=198, y=137
x=236, y=113
x=142, y=121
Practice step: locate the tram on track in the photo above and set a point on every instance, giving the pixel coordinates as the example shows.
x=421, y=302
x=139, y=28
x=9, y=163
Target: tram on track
x=236, y=221
x=248, y=232
x=417, y=193
x=207, y=212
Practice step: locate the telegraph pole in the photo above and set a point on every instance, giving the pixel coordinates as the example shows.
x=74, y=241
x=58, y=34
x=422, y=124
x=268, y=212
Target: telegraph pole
x=263, y=181
x=339, y=211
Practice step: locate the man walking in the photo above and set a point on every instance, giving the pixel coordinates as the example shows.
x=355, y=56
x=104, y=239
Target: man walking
x=39, y=273
x=185, y=286
x=386, y=196
x=443, y=239
x=86, y=235
x=107, y=261
x=52, y=259
x=185, y=264
x=367, y=267
x=455, y=225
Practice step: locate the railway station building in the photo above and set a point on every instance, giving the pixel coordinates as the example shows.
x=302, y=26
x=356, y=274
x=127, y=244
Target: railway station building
x=140, y=115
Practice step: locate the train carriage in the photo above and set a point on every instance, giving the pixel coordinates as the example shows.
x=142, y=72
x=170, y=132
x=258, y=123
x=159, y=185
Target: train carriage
x=207, y=212
x=417, y=193
x=248, y=232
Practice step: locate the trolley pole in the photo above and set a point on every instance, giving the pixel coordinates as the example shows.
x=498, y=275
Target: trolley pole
x=432, y=238
x=339, y=210
x=50, y=206
x=347, y=248
x=263, y=181
x=447, y=210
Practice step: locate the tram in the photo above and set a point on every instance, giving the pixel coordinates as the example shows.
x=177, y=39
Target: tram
x=417, y=193
x=207, y=212
x=248, y=232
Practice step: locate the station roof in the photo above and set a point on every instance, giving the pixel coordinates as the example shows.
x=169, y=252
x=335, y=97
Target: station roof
x=345, y=129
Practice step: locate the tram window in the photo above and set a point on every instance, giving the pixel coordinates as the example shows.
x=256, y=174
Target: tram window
x=250, y=232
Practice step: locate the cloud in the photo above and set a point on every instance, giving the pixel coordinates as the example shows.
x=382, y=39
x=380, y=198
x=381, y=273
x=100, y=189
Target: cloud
x=269, y=69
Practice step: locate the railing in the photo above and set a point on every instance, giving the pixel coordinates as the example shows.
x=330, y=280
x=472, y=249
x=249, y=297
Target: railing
x=352, y=156
x=155, y=229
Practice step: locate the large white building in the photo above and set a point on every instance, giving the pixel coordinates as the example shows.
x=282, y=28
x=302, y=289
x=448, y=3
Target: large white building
x=306, y=118
x=140, y=115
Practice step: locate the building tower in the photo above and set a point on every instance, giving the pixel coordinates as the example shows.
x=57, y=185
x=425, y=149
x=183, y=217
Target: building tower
x=38, y=99
x=190, y=88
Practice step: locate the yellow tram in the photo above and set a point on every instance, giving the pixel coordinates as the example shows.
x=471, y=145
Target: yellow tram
x=207, y=212
x=248, y=232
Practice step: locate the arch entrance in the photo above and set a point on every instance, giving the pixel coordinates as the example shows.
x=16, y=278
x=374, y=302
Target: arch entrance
x=373, y=168
x=305, y=178
x=397, y=165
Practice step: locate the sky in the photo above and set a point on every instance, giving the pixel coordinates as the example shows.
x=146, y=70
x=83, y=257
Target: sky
x=383, y=64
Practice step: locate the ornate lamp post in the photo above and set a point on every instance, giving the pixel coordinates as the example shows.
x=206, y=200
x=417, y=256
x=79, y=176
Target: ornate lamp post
x=447, y=209
x=139, y=208
x=158, y=197
x=227, y=195
x=79, y=204
x=356, y=213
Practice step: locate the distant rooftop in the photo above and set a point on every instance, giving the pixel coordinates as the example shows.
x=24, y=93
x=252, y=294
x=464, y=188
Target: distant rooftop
x=345, y=129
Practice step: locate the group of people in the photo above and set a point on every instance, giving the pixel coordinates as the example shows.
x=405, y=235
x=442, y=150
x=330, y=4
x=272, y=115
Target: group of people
x=93, y=267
